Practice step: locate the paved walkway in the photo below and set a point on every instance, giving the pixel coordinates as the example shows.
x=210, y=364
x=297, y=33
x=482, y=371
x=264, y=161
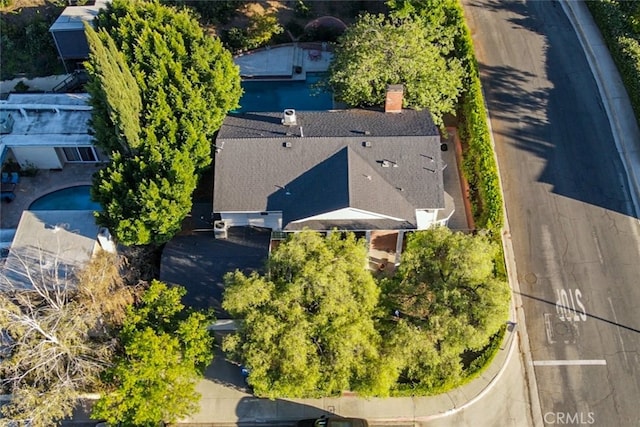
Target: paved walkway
x=289, y=61
x=46, y=181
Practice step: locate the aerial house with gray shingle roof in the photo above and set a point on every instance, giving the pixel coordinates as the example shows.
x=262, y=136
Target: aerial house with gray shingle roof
x=358, y=170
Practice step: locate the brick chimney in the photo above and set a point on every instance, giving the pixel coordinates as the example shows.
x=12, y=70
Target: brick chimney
x=393, y=99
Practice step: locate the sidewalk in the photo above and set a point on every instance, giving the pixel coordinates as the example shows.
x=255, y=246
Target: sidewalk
x=225, y=401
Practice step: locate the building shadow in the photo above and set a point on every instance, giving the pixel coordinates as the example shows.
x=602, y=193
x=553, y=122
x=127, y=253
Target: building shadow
x=553, y=118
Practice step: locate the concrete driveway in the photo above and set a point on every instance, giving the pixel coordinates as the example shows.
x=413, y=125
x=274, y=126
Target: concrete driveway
x=199, y=262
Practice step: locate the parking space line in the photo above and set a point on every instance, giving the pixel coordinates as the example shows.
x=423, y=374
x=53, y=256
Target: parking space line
x=569, y=362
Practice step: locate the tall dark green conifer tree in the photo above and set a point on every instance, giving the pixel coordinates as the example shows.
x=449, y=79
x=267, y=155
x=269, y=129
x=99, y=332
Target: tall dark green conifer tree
x=187, y=83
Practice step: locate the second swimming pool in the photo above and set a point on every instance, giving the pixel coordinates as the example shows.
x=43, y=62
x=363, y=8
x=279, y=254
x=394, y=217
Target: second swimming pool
x=278, y=95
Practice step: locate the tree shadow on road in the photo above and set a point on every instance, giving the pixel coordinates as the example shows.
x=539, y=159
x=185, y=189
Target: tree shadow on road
x=556, y=113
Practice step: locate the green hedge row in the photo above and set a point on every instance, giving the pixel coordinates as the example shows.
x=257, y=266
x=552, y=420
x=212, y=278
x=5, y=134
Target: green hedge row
x=480, y=362
x=479, y=164
x=621, y=32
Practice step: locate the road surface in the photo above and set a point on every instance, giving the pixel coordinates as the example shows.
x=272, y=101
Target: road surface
x=574, y=232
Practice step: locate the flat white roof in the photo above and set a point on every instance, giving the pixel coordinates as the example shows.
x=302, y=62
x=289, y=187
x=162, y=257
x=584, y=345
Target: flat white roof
x=58, y=240
x=48, y=98
x=47, y=120
x=74, y=17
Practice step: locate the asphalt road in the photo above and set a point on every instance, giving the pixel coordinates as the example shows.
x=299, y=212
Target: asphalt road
x=575, y=235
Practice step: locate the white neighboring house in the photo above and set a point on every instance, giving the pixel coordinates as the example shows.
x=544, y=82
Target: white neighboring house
x=54, y=243
x=47, y=130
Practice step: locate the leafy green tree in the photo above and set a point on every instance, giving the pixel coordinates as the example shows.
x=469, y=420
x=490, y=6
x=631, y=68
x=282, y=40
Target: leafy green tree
x=145, y=201
x=165, y=351
x=262, y=28
x=178, y=68
x=440, y=18
x=307, y=327
x=449, y=301
x=378, y=51
x=187, y=83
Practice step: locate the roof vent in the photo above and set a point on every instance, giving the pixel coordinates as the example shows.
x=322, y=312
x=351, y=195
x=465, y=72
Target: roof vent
x=6, y=122
x=286, y=144
x=289, y=117
x=386, y=163
x=366, y=143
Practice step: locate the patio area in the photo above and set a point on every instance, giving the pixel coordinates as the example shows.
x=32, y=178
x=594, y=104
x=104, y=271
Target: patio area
x=291, y=61
x=44, y=182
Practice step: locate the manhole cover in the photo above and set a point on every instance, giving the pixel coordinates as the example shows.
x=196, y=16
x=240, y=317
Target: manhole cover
x=530, y=278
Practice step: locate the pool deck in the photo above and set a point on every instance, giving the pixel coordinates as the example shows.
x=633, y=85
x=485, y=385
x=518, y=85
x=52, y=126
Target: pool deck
x=291, y=61
x=46, y=181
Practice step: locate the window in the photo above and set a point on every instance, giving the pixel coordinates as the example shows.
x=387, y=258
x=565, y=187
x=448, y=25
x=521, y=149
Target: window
x=80, y=154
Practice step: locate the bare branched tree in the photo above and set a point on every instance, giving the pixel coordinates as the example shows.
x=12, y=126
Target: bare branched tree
x=55, y=321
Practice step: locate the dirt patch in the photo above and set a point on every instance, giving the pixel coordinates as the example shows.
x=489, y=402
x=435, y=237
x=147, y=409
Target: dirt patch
x=295, y=15
x=27, y=48
x=21, y=12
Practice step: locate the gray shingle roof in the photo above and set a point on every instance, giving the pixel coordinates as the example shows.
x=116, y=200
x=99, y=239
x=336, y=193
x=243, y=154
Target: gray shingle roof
x=335, y=165
x=322, y=124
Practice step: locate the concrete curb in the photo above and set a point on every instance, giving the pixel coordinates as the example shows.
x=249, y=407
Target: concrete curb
x=516, y=301
x=624, y=126
x=484, y=391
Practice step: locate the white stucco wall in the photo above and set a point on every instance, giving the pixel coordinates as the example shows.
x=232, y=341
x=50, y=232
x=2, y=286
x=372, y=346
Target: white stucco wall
x=426, y=218
x=40, y=157
x=272, y=220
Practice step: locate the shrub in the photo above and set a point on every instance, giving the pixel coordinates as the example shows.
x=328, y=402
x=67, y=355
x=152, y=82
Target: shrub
x=619, y=23
x=28, y=48
x=479, y=165
x=21, y=87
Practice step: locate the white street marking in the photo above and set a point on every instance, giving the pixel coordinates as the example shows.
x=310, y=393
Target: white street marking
x=566, y=305
x=615, y=318
x=595, y=238
x=569, y=362
x=548, y=328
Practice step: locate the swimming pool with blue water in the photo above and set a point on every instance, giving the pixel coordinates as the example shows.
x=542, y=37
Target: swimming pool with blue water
x=260, y=96
x=71, y=199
